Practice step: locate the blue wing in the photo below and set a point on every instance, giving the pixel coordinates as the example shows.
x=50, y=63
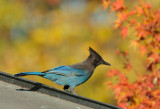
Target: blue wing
x=66, y=71
x=66, y=75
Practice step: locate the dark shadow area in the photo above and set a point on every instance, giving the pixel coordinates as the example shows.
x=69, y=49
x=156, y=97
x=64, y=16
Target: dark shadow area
x=35, y=88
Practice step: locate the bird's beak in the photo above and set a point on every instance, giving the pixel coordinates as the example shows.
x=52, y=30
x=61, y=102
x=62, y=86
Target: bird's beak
x=106, y=63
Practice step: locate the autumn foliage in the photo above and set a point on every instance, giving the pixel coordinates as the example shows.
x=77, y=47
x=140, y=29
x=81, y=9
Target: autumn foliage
x=144, y=21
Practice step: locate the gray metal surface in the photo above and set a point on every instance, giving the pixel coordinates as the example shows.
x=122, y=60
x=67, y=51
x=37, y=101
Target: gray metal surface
x=58, y=94
x=10, y=98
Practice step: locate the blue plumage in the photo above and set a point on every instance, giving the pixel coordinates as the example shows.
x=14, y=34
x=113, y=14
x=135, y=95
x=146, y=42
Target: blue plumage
x=66, y=75
x=72, y=75
x=29, y=73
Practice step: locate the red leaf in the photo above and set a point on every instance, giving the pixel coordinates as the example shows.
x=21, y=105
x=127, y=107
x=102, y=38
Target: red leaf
x=131, y=13
x=157, y=37
x=118, y=5
x=124, y=32
x=155, y=58
x=150, y=85
x=148, y=5
x=111, y=73
x=132, y=22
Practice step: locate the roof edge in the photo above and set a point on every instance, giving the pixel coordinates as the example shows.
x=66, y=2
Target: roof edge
x=35, y=86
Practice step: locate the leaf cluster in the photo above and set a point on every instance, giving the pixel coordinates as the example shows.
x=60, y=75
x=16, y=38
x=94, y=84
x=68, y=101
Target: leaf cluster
x=144, y=93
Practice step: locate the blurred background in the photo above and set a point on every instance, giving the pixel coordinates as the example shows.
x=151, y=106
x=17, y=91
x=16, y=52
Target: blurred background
x=36, y=35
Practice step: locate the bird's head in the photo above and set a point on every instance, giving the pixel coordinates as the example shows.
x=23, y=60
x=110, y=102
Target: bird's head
x=96, y=59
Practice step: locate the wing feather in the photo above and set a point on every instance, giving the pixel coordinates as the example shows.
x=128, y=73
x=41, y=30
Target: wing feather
x=66, y=71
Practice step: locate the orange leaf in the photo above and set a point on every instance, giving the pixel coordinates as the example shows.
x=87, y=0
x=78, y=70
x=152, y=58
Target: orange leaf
x=143, y=49
x=105, y=4
x=118, y=24
x=132, y=22
x=118, y=5
x=124, y=53
x=122, y=16
x=124, y=32
x=139, y=10
x=128, y=66
x=134, y=43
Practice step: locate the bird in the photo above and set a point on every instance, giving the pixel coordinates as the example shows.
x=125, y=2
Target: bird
x=70, y=76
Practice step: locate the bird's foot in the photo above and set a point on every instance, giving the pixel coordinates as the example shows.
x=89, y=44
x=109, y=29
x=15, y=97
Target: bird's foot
x=74, y=93
x=71, y=92
x=67, y=90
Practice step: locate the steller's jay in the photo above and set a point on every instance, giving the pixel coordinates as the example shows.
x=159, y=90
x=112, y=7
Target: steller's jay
x=71, y=76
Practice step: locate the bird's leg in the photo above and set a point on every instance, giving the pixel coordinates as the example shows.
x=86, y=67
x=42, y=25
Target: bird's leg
x=66, y=87
x=72, y=90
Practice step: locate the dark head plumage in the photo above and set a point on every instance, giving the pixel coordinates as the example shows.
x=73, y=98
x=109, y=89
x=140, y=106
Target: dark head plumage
x=95, y=58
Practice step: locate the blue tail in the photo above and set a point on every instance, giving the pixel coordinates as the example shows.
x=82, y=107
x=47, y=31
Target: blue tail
x=30, y=73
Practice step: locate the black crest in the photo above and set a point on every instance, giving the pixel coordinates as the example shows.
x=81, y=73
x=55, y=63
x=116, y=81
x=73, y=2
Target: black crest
x=95, y=58
x=94, y=53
